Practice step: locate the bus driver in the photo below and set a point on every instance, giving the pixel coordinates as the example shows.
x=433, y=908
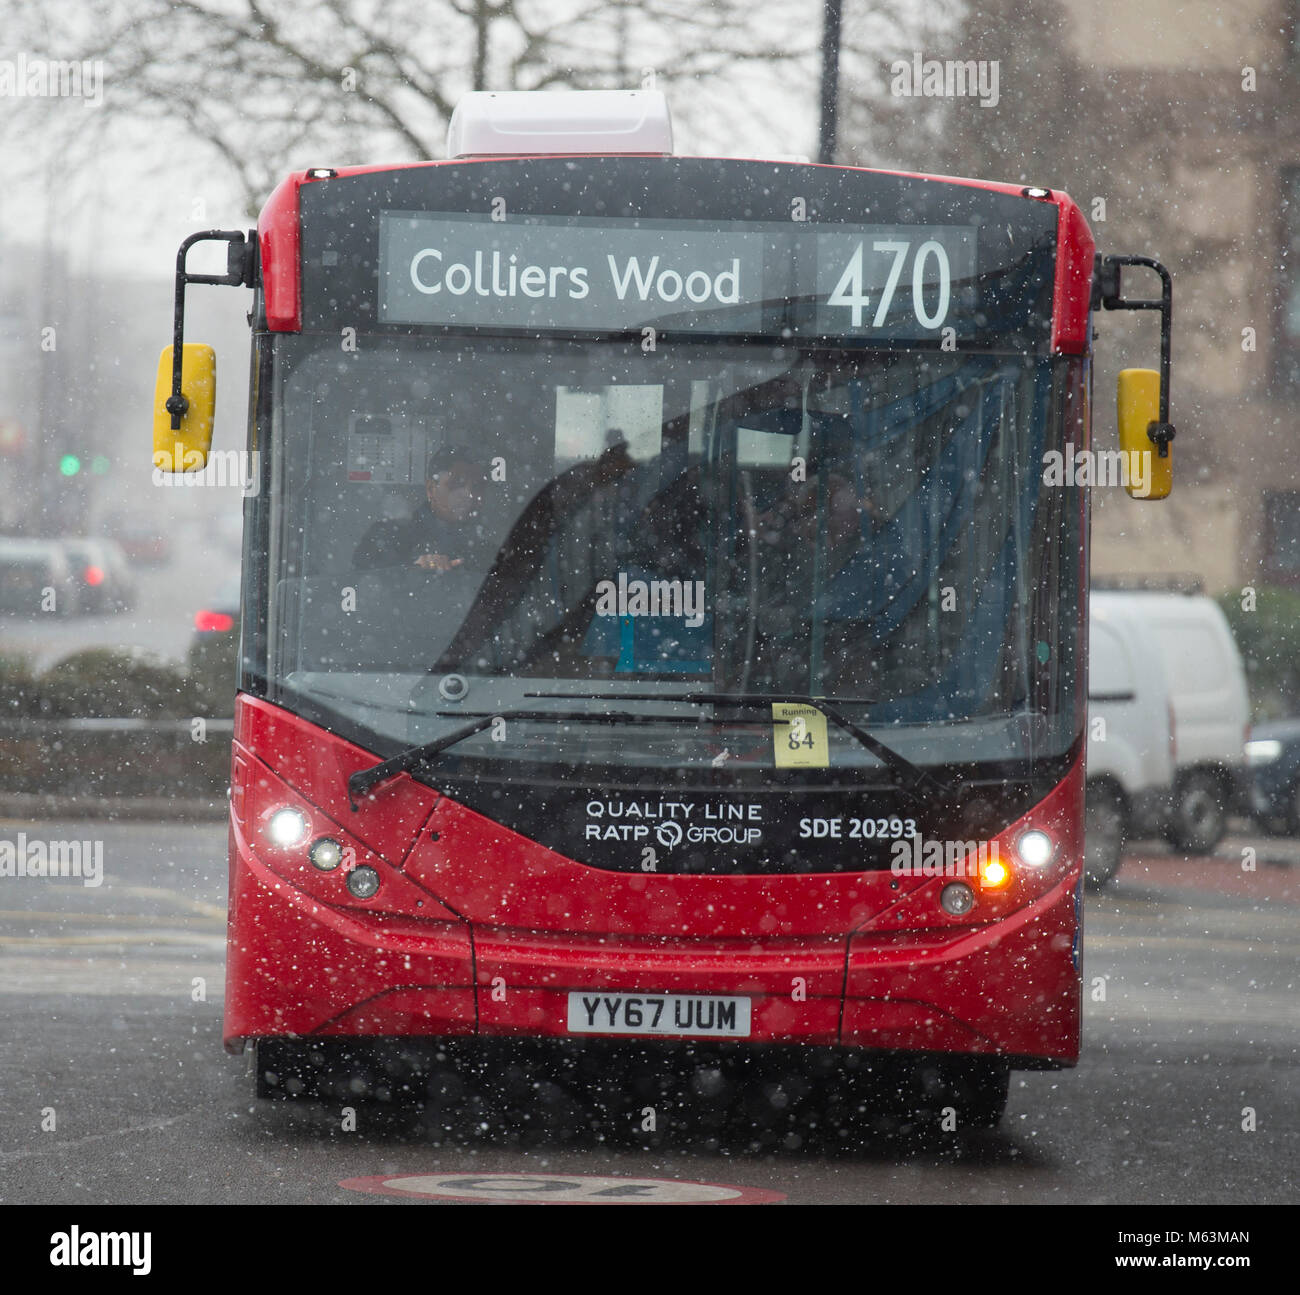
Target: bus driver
x=440, y=533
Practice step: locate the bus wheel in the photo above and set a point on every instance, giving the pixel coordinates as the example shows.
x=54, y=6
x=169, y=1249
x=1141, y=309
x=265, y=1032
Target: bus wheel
x=1103, y=836
x=980, y=1091
x=1292, y=825
x=287, y=1067
x=975, y=1089
x=1199, y=822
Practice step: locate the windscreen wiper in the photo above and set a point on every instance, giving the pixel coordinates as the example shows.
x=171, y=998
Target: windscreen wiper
x=363, y=780
x=917, y=781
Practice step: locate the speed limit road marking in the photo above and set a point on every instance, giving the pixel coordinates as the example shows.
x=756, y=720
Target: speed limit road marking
x=560, y=1189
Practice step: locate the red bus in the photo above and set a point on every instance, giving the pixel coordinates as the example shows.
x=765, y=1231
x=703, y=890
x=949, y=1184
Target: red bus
x=664, y=603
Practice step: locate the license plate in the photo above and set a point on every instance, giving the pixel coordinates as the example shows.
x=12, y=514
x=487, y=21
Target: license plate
x=679, y=1014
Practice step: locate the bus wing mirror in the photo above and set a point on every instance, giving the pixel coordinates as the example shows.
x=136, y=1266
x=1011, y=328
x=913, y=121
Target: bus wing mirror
x=185, y=448
x=1148, y=456
x=1145, y=433
x=185, y=398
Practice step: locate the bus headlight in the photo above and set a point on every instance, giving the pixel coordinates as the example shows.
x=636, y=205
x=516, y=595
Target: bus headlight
x=325, y=854
x=1263, y=750
x=287, y=826
x=1036, y=849
x=957, y=898
x=363, y=882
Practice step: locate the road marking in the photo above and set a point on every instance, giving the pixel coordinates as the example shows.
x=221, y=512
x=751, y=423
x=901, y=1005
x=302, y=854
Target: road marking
x=1254, y=926
x=69, y=1145
x=1251, y=923
x=100, y=976
x=124, y=937
x=152, y=919
x=560, y=1189
x=1204, y=943
x=1193, y=1012
x=185, y=901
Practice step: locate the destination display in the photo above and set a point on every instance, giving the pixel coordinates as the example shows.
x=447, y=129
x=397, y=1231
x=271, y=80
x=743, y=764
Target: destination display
x=890, y=282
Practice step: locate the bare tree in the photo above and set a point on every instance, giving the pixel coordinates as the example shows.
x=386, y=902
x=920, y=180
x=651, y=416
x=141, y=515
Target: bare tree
x=265, y=85
x=1114, y=138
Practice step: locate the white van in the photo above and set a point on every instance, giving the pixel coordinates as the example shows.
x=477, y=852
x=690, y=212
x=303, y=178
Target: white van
x=1131, y=741
x=1207, y=685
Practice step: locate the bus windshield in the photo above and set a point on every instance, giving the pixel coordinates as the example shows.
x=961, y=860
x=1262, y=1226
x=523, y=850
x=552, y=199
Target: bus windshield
x=457, y=530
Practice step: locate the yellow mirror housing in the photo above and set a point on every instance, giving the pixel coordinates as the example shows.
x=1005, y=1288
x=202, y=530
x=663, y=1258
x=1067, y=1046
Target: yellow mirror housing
x=1150, y=473
x=185, y=448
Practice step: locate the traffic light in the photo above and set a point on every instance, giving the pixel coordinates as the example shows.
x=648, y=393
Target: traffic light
x=69, y=465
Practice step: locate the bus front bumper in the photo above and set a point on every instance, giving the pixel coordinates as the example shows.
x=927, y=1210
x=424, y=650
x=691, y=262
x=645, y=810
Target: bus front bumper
x=313, y=969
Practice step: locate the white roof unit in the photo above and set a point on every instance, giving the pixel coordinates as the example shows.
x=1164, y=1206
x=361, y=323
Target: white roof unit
x=512, y=123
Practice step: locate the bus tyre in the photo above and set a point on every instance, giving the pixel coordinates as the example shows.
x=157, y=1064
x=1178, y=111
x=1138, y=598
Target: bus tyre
x=287, y=1068
x=1104, y=821
x=343, y=1069
x=1293, y=811
x=974, y=1089
x=980, y=1092
x=1199, y=820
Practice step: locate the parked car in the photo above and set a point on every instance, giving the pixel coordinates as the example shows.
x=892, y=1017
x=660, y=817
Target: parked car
x=143, y=542
x=1273, y=759
x=1207, y=685
x=106, y=581
x=1131, y=737
x=214, y=649
x=36, y=578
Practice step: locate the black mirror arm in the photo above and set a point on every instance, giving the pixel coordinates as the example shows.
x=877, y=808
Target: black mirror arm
x=1107, y=294
x=241, y=271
